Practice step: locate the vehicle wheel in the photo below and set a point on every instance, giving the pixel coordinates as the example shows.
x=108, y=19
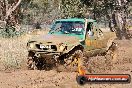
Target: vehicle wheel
x=81, y=80
x=72, y=62
x=31, y=64
x=111, y=54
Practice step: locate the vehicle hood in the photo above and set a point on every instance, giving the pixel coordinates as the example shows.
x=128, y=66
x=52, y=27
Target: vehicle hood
x=56, y=39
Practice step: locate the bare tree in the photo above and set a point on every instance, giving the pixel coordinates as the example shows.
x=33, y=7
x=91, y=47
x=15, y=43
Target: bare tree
x=9, y=12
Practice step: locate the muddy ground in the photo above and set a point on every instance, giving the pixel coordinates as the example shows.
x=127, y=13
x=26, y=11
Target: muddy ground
x=13, y=72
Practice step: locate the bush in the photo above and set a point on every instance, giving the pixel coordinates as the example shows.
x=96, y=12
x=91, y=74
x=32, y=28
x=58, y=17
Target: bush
x=10, y=32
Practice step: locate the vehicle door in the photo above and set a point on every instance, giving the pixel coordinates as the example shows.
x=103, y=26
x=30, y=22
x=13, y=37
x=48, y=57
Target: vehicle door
x=90, y=40
x=100, y=38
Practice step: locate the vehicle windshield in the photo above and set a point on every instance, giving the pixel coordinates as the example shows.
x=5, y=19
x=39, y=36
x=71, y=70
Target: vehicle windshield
x=67, y=27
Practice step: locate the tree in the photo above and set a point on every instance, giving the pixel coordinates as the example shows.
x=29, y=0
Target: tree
x=11, y=15
x=115, y=10
x=43, y=10
x=119, y=18
x=72, y=8
x=9, y=11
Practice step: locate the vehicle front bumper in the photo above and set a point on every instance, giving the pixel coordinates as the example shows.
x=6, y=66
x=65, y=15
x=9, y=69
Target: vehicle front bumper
x=45, y=53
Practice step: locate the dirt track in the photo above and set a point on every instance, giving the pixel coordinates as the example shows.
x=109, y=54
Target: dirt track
x=22, y=78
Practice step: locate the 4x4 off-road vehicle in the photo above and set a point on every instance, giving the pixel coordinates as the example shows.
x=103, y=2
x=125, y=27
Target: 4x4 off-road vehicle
x=65, y=43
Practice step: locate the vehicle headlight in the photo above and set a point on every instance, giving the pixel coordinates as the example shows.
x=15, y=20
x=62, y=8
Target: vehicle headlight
x=30, y=45
x=48, y=46
x=42, y=46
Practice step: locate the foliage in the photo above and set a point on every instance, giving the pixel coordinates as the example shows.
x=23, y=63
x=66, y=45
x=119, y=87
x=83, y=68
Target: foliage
x=10, y=32
x=30, y=12
x=72, y=8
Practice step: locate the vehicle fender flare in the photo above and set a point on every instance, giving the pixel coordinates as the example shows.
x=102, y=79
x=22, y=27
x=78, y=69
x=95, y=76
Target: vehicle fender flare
x=75, y=47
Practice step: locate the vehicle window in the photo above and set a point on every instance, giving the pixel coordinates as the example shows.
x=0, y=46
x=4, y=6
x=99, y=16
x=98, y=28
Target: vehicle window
x=69, y=27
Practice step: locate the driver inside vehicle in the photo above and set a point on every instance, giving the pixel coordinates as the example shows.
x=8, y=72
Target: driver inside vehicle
x=66, y=27
x=72, y=27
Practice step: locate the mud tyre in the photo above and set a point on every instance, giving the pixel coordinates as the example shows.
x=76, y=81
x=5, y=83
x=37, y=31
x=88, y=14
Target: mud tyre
x=72, y=62
x=111, y=55
x=31, y=65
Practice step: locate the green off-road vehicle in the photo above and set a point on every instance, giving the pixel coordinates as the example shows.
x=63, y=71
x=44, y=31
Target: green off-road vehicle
x=65, y=43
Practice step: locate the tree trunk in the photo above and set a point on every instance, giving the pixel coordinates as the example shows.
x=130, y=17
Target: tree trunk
x=110, y=23
x=116, y=25
x=11, y=16
x=119, y=18
x=94, y=10
x=10, y=10
x=124, y=29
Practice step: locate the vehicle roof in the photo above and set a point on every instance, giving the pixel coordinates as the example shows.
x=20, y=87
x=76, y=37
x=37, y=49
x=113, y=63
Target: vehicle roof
x=76, y=19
